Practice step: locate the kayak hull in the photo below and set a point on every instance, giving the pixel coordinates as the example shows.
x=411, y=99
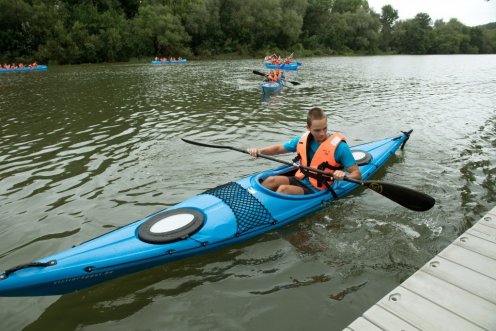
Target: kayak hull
x=40, y=67
x=291, y=66
x=271, y=88
x=170, y=62
x=223, y=216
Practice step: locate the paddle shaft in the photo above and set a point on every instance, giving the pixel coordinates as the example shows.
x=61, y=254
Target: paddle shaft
x=268, y=157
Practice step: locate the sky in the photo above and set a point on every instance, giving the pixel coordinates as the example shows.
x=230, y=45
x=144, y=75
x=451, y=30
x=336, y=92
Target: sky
x=469, y=12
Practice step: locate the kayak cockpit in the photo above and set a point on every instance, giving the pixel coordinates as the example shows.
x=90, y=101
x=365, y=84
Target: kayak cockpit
x=255, y=183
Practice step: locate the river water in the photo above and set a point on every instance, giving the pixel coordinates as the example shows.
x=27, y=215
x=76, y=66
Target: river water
x=87, y=149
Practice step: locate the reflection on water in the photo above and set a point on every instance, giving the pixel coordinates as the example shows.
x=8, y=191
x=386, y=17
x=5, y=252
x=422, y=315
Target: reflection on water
x=86, y=149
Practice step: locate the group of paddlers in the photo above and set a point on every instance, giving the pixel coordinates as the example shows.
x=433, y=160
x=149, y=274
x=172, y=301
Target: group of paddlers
x=275, y=59
x=275, y=76
x=7, y=66
x=170, y=59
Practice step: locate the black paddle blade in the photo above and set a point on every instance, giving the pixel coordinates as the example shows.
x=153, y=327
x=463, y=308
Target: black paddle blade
x=404, y=196
x=293, y=82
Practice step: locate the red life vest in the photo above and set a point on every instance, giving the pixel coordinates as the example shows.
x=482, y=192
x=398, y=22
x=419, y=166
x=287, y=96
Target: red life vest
x=323, y=159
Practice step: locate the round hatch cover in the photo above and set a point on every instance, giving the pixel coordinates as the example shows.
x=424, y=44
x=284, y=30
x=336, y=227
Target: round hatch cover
x=361, y=157
x=172, y=225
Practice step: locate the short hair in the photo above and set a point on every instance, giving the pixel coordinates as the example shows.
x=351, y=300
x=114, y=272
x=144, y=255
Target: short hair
x=315, y=113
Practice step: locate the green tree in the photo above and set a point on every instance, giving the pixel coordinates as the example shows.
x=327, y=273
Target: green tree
x=352, y=31
x=349, y=6
x=16, y=38
x=157, y=31
x=388, y=17
x=316, y=23
x=413, y=36
x=76, y=31
x=202, y=22
x=251, y=25
x=451, y=38
x=291, y=22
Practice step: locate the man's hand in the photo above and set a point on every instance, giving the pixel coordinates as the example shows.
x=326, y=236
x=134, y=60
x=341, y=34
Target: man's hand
x=339, y=174
x=252, y=151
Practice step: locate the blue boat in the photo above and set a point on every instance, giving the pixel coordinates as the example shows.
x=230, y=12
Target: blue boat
x=290, y=66
x=272, y=88
x=217, y=218
x=40, y=67
x=170, y=62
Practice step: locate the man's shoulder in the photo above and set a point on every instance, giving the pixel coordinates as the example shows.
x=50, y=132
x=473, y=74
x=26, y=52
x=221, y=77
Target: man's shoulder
x=291, y=144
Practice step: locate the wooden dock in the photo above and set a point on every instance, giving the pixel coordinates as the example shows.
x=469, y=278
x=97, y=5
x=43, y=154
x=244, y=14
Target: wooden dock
x=456, y=290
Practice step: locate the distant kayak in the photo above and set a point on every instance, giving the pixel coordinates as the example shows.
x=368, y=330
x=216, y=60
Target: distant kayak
x=290, y=66
x=37, y=68
x=274, y=87
x=219, y=217
x=170, y=62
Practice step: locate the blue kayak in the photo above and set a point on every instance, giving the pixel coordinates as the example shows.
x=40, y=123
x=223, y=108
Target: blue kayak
x=217, y=218
x=40, y=67
x=170, y=62
x=290, y=66
x=271, y=88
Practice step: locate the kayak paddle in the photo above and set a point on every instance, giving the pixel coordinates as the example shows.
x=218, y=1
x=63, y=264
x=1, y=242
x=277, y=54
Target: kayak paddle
x=262, y=74
x=404, y=196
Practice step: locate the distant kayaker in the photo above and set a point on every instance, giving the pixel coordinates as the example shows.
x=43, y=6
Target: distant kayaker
x=271, y=77
x=279, y=75
x=315, y=148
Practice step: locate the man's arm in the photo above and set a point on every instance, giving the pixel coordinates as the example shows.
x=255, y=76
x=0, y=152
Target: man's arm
x=354, y=172
x=269, y=150
x=345, y=157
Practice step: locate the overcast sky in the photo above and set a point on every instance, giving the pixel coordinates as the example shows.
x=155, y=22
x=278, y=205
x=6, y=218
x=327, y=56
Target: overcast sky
x=469, y=12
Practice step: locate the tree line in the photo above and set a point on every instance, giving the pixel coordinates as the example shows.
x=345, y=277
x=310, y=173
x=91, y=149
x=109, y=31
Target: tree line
x=89, y=31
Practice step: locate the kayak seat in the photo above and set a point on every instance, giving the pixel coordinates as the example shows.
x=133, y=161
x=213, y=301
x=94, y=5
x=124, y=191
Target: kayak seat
x=288, y=173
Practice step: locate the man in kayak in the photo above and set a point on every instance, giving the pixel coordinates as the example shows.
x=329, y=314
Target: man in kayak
x=317, y=149
x=279, y=75
x=271, y=77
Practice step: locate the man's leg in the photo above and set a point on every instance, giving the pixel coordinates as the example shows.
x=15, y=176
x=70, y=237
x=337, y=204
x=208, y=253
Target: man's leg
x=273, y=182
x=280, y=184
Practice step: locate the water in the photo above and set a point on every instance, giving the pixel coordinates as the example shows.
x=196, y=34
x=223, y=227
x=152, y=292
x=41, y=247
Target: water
x=87, y=149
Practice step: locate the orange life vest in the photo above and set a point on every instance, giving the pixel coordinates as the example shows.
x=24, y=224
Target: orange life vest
x=272, y=78
x=323, y=159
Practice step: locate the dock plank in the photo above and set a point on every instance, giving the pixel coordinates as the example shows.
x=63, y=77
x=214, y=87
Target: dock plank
x=454, y=299
x=456, y=274
x=477, y=244
x=424, y=314
x=362, y=324
x=386, y=320
x=470, y=259
x=483, y=231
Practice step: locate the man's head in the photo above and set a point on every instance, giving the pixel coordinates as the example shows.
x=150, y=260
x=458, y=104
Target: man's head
x=317, y=124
